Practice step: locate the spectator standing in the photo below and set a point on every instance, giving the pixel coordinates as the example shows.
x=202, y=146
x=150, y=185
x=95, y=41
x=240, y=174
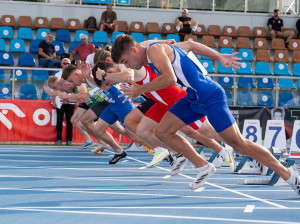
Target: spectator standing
x=185, y=25
x=162, y=4
x=83, y=49
x=47, y=55
x=90, y=57
x=108, y=20
x=276, y=29
x=61, y=110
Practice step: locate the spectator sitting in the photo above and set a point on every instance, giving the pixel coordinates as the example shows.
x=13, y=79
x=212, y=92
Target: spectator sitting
x=108, y=20
x=47, y=55
x=90, y=57
x=185, y=24
x=83, y=50
x=276, y=28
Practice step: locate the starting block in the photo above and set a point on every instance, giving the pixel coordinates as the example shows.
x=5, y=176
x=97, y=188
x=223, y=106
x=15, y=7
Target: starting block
x=134, y=148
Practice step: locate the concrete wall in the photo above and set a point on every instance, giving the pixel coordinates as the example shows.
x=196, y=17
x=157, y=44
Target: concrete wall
x=138, y=14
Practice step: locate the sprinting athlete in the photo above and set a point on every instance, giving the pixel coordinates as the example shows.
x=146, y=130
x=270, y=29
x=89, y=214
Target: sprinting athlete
x=204, y=97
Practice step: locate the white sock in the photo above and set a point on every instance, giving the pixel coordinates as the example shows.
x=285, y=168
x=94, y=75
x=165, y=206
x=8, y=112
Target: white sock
x=159, y=149
x=291, y=181
x=203, y=167
x=223, y=153
x=177, y=28
x=119, y=153
x=194, y=28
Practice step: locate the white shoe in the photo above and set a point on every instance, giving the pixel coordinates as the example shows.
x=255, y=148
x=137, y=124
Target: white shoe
x=202, y=177
x=263, y=169
x=229, y=159
x=157, y=158
x=179, y=165
x=296, y=181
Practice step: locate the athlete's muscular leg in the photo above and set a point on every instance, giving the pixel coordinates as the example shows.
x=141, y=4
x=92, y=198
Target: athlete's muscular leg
x=77, y=123
x=208, y=130
x=234, y=138
x=133, y=119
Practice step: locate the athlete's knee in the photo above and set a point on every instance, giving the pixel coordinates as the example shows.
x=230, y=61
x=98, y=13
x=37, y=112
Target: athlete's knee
x=161, y=133
x=129, y=124
x=142, y=133
x=74, y=120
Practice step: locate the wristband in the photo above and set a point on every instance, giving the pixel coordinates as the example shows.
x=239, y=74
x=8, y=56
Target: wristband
x=104, y=74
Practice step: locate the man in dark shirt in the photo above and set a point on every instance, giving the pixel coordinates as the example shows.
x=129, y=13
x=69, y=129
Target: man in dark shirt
x=276, y=28
x=47, y=55
x=108, y=20
x=185, y=24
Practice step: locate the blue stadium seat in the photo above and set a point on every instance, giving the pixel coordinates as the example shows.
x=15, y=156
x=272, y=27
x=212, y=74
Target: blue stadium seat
x=154, y=36
x=42, y=33
x=226, y=81
x=298, y=84
x=73, y=45
x=224, y=70
x=226, y=50
x=28, y=91
x=265, y=83
x=100, y=37
x=59, y=46
x=34, y=45
x=17, y=45
x=262, y=68
x=286, y=99
x=78, y=33
x=296, y=69
x=26, y=59
x=6, y=32
x=6, y=58
x=265, y=99
x=25, y=33
x=5, y=90
x=281, y=69
x=207, y=58
x=286, y=84
x=63, y=35
x=39, y=75
x=46, y=96
x=138, y=37
x=229, y=97
x=208, y=65
x=246, y=82
x=245, y=54
x=244, y=98
x=173, y=36
x=2, y=45
x=2, y=74
x=245, y=68
x=114, y=35
x=20, y=74
x=97, y=44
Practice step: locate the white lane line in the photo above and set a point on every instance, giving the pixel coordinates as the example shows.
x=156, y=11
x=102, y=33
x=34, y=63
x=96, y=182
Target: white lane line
x=141, y=168
x=150, y=216
x=167, y=177
x=199, y=189
x=249, y=208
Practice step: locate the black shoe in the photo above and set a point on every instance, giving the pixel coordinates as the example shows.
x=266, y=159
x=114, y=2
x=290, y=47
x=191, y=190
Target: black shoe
x=117, y=157
x=170, y=159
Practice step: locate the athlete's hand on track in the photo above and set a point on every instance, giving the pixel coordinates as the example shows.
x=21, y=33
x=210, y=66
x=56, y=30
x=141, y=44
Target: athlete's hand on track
x=131, y=93
x=228, y=60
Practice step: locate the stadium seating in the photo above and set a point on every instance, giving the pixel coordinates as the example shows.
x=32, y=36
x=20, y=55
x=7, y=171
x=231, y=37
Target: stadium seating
x=39, y=75
x=78, y=34
x=261, y=43
x=73, y=24
x=57, y=23
x=6, y=32
x=100, y=37
x=73, y=45
x=225, y=42
x=85, y=23
x=28, y=91
x=244, y=31
x=34, y=45
x=208, y=65
x=2, y=74
x=59, y=46
x=244, y=98
x=224, y=70
x=298, y=86
x=168, y=28
x=152, y=27
x=138, y=37
x=42, y=33
x=296, y=57
x=265, y=83
x=200, y=31
x=2, y=45
x=229, y=31
x=245, y=54
x=206, y=58
x=20, y=75
x=25, y=33
x=41, y=22
x=243, y=42
x=245, y=68
x=294, y=45
x=26, y=59
x=17, y=45
x=24, y=21
x=296, y=69
x=6, y=58
x=173, y=36
x=265, y=99
x=263, y=55
x=286, y=99
x=137, y=27
x=209, y=41
x=8, y=20
x=229, y=97
x=281, y=56
x=226, y=81
x=286, y=84
x=46, y=96
x=214, y=30
x=260, y=32
x=97, y=44
x=154, y=36
x=123, y=26
x=262, y=68
x=226, y=50
x=114, y=35
x=190, y=37
x=278, y=44
x=5, y=90
x=281, y=69
x=63, y=35
x=246, y=82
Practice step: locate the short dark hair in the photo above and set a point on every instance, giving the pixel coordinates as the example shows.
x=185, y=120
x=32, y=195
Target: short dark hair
x=103, y=65
x=121, y=45
x=277, y=110
x=101, y=55
x=67, y=71
x=276, y=10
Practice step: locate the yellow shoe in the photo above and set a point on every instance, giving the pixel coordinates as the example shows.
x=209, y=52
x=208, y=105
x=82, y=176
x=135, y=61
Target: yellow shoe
x=229, y=159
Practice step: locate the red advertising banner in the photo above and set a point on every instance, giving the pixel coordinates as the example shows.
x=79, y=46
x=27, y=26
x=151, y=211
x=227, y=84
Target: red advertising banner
x=35, y=121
